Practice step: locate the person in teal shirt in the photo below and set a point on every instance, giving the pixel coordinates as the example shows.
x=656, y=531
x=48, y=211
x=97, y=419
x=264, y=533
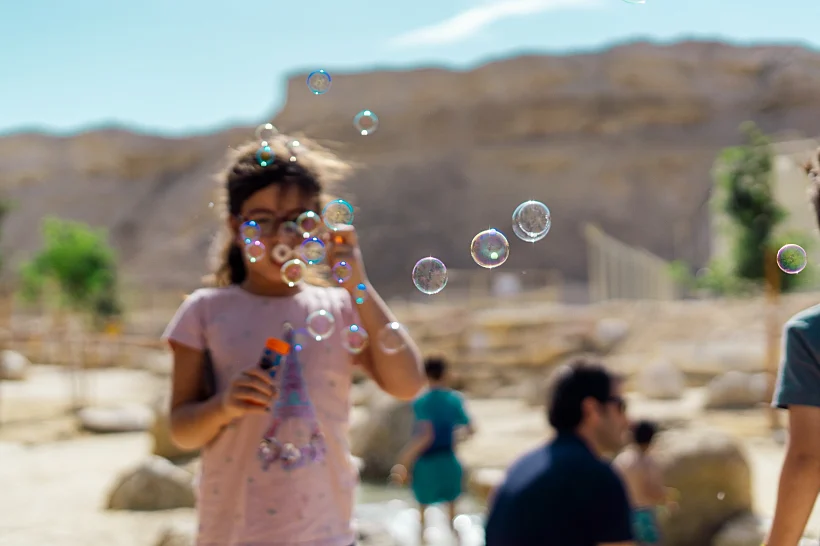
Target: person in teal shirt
x=437, y=474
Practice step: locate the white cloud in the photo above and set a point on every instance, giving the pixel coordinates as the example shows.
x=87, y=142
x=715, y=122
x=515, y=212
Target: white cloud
x=469, y=22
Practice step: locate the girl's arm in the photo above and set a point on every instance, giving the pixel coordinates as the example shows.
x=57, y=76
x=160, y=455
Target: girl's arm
x=194, y=423
x=399, y=375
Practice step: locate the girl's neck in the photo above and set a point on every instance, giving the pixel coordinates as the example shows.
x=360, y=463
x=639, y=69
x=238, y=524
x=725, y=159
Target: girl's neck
x=260, y=287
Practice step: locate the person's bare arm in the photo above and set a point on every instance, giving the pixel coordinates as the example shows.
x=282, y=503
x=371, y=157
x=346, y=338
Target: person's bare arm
x=799, y=478
x=194, y=423
x=420, y=441
x=655, y=489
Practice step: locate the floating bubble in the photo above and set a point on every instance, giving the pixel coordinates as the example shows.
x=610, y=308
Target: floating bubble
x=295, y=148
x=264, y=156
x=342, y=272
x=211, y=205
x=366, y=122
x=319, y=82
x=266, y=132
x=254, y=251
x=249, y=231
x=531, y=221
x=792, y=259
x=301, y=338
x=308, y=223
x=354, y=339
x=293, y=271
x=361, y=293
x=391, y=338
x=281, y=253
x=337, y=213
x=320, y=324
x=430, y=275
x=490, y=248
x=312, y=250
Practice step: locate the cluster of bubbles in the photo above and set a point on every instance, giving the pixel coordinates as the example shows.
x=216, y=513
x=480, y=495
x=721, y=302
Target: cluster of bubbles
x=365, y=122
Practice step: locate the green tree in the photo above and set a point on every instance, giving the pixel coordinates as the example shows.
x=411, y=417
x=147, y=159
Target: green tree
x=78, y=267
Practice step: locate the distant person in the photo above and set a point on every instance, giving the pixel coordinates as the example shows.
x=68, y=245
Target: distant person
x=437, y=475
x=297, y=486
x=798, y=391
x=565, y=493
x=644, y=482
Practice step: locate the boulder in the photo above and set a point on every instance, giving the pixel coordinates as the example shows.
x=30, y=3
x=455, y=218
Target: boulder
x=379, y=439
x=13, y=366
x=712, y=474
x=661, y=380
x=742, y=530
x=736, y=390
x=155, y=484
x=125, y=418
x=177, y=534
x=161, y=432
x=608, y=333
x=482, y=482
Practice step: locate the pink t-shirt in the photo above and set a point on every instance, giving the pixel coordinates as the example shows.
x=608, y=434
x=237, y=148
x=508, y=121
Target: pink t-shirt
x=239, y=503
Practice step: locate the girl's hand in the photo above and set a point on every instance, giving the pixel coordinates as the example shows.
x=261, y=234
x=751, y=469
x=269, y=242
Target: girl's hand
x=343, y=246
x=398, y=474
x=250, y=391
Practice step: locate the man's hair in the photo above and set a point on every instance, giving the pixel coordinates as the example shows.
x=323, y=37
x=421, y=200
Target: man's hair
x=644, y=432
x=434, y=368
x=575, y=382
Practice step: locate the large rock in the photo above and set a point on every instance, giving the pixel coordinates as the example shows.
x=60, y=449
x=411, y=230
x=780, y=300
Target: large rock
x=661, y=380
x=156, y=484
x=161, y=432
x=13, y=366
x=742, y=530
x=608, y=334
x=710, y=470
x=736, y=390
x=126, y=418
x=379, y=439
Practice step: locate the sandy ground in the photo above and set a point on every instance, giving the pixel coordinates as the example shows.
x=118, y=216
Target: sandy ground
x=54, y=482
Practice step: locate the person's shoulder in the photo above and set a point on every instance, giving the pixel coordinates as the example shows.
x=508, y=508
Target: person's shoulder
x=805, y=320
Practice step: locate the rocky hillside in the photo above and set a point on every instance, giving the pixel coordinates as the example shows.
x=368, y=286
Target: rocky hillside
x=625, y=138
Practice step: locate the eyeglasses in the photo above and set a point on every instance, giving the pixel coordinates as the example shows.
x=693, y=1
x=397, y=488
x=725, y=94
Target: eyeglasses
x=619, y=403
x=268, y=224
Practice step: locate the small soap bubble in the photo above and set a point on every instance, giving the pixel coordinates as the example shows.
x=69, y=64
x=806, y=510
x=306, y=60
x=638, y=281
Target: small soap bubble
x=391, y=338
x=490, y=248
x=254, y=251
x=301, y=339
x=792, y=259
x=430, y=275
x=531, y=221
x=366, y=122
x=319, y=82
x=312, y=250
x=281, y=253
x=354, y=339
x=295, y=148
x=266, y=132
x=293, y=271
x=250, y=231
x=342, y=272
x=320, y=324
x=337, y=213
x=361, y=293
x=211, y=205
x=264, y=156
x=721, y=495
x=308, y=223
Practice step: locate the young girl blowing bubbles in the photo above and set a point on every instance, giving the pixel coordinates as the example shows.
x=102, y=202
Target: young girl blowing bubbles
x=297, y=487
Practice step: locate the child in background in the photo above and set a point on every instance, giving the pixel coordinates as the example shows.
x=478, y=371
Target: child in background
x=644, y=483
x=437, y=474
x=220, y=333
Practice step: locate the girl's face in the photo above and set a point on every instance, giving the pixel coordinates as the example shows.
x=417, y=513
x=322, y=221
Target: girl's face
x=275, y=210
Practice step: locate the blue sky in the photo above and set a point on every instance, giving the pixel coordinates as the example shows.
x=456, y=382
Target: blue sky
x=184, y=66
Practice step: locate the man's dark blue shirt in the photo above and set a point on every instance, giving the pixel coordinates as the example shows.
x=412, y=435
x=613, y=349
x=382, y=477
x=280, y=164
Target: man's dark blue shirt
x=560, y=494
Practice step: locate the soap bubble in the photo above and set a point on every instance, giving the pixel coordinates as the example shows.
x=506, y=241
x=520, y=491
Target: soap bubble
x=308, y=223
x=391, y=338
x=254, y=251
x=250, y=231
x=264, y=156
x=342, y=272
x=293, y=271
x=281, y=253
x=792, y=259
x=361, y=293
x=320, y=324
x=490, y=248
x=301, y=338
x=354, y=339
x=319, y=82
x=211, y=205
x=337, y=213
x=266, y=132
x=430, y=275
x=531, y=221
x=312, y=250
x=366, y=122
x=295, y=148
